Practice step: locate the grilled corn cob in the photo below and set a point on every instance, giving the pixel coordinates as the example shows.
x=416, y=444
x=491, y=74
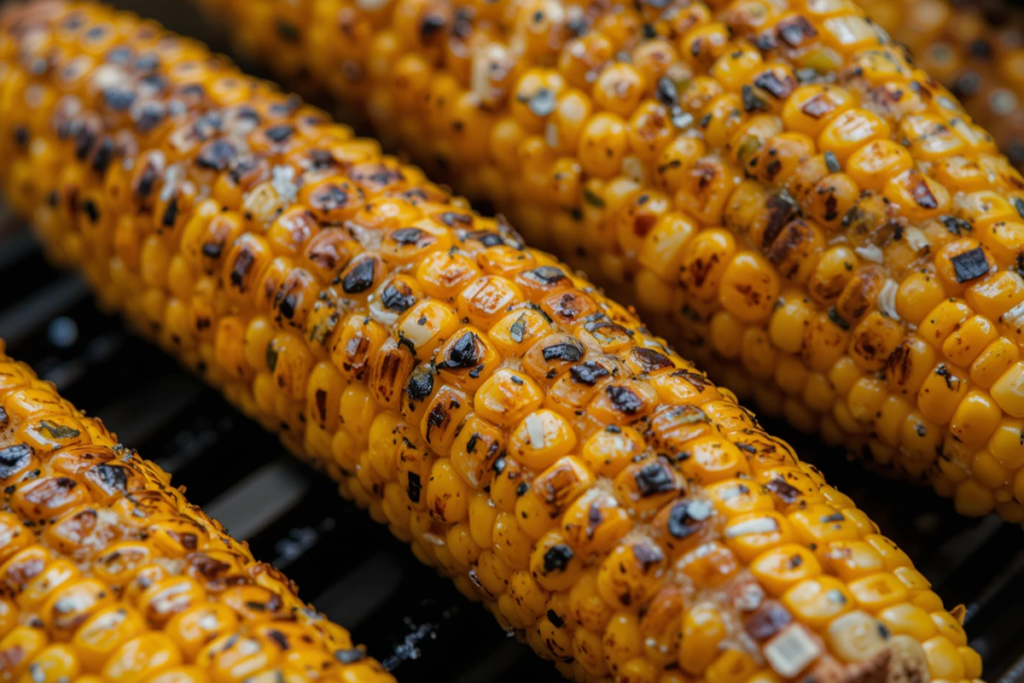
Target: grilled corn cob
x=973, y=49
x=524, y=433
x=782, y=194
x=108, y=574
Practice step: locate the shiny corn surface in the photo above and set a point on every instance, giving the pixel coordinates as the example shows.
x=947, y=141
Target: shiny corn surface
x=524, y=433
x=782, y=194
x=109, y=575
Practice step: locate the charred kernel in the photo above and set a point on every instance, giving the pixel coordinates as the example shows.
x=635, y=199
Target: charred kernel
x=655, y=478
x=970, y=265
x=13, y=459
x=567, y=351
x=360, y=277
x=216, y=155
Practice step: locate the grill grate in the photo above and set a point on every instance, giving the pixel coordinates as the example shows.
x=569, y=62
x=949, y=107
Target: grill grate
x=347, y=565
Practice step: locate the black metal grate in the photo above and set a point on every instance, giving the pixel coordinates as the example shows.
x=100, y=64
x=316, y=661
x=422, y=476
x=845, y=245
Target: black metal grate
x=351, y=568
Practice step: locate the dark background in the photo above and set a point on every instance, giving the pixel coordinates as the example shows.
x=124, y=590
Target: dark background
x=351, y=568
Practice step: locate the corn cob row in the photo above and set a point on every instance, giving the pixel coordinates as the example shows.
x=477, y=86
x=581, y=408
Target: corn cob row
x=773, y=184
x=524, y=433
x=108, y=574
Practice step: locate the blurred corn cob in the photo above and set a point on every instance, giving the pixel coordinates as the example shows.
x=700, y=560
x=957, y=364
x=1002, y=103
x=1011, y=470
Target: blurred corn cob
x=777, y=189
x=108, y=574
x=976, y=49
x=526, y=434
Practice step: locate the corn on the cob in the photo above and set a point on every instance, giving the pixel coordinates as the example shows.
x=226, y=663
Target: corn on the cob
x=527, y=435
x=108, y=574
x=975, y=50
x=782, y=194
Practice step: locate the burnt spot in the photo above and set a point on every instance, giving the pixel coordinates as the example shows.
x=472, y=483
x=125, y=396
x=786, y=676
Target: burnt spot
x=687, y=517
x=21, y=136
x=280, y=134
x=376, y=176
x=208, y=126
x=157, y=84
x=421, y=383
x=406, y=236
x=414, y=487
x=970, y=265
x=695, y=379
x=751, y=101
x=666, y=92
x=555, y=619
x=568, y=350
x=542, y=102
x=398, y=297
x=795, y=31
x=243, y=167
x=791, y=247
x=837, y=320
x=455, y=219
x=119, y=99
x=85, y=134
x=112, y=479
x=244, y=261
x=900, y=364
x=922, y=193
x=625, y=400
x=831, y=162
x=488, y=239
x=147, y=180
x=148, y=116
x=654, y=478
x=588, y=373
x=331, y=197
x=557, y=558
x=648, y=555
x=768, y=620
x=14, y=458
x=147, y=62
x=607, y=332
x=466, y=352
x=957, y=226
x=91, y=210
x=779, y=88
x=171, y=216
x=360, y=277
x=432, y=24
x=569, y=306
x=216, y=156
x=103, y=155
x=545, y=275
x=785, y=491
x=818, y=106
x=649, y=360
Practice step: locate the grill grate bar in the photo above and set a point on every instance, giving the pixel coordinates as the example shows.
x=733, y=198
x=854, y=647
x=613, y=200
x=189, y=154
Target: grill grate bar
x=259, y=499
